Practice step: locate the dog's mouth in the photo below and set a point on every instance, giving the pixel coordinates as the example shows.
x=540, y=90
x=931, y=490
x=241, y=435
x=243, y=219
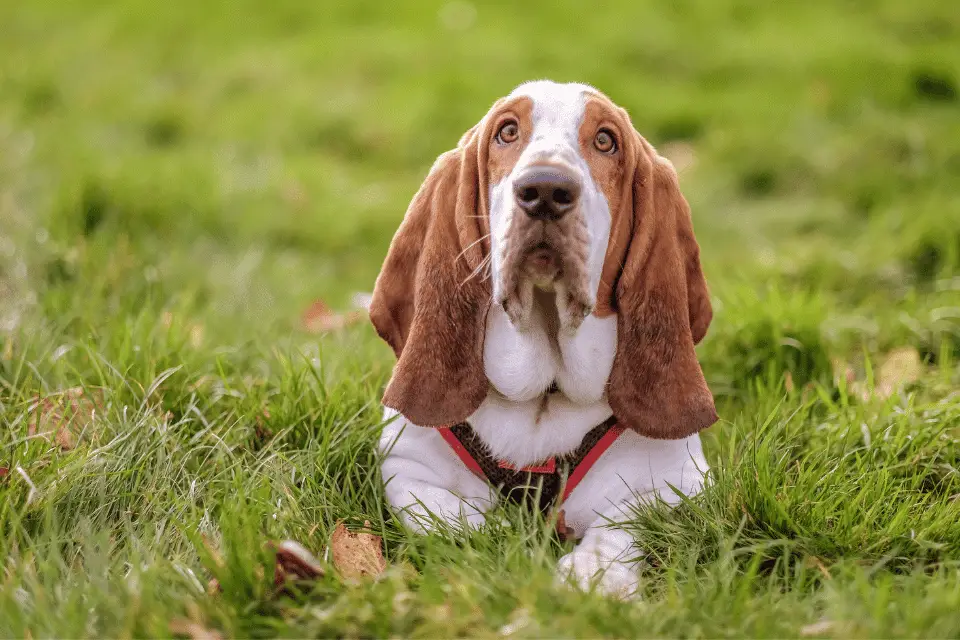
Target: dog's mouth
x=543, y=265
x=548, y=258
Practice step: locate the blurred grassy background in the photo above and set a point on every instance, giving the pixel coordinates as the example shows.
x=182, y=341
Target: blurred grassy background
x=251, y=157
x=179, y=181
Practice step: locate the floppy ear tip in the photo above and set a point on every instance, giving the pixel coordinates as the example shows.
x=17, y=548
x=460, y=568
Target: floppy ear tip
x=671, y=418
x=697, y=412
x=700, y=322
x=705, y=417
x=383, y=324
x=428, y=410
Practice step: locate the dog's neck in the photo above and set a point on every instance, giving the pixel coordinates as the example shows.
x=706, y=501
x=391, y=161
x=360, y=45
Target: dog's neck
x=547, y=386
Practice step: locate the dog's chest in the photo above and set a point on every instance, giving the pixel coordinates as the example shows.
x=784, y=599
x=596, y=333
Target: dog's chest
x=521, y=420
x=523, y=364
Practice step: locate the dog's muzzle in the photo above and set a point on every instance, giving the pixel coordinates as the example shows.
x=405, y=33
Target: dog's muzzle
x=546, y=244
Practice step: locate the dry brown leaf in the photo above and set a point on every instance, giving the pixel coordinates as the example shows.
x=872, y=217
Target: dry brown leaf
x=193, y=630
x=294, y=194
x=564, y=532
x=262, y=431
x=294, y=562
x=361, y=300
x=681, y=154
x=901, y=367
x=196, y=335
x=842, y=371
x=356, y=554
x=817, y=628
x=64, y=416
x=319, y=318
x=202, y=382
x=818, y=563
x=4, y=472
x=213, y=551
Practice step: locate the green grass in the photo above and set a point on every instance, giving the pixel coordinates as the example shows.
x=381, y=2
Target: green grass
x=179, y=181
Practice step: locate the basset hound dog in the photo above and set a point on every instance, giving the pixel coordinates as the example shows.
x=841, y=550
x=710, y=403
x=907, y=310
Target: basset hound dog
x=543, y=296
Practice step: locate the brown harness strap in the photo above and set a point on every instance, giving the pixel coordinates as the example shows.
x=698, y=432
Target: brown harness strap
x=554, y=478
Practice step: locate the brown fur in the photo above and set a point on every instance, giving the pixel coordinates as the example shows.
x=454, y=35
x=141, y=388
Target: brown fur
x=431, y=297
x=663, y=307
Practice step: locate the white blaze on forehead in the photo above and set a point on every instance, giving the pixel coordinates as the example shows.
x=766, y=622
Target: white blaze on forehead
x=557, y=115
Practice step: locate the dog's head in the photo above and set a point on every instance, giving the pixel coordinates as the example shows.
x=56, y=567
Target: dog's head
x=552, y=189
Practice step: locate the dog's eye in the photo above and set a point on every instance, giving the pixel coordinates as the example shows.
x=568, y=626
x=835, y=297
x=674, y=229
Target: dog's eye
x=605, y=142
x=509, y=131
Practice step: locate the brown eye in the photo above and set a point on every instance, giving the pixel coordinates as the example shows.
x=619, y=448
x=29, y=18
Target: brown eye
x=509, y=132
x=605, y=142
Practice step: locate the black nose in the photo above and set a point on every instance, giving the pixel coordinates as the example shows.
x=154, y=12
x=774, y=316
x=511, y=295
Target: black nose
x=546, y=193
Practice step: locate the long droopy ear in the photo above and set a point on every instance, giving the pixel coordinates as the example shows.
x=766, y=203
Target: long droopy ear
x=656, y=386
x=430, y=301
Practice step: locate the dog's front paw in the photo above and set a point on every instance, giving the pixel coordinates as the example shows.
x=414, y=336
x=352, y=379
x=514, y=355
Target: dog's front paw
x=586, y=570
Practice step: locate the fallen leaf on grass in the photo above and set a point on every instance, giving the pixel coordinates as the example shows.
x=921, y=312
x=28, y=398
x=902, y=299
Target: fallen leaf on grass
x=212, y=550
x=262, y=431
x=356, y=554
x=901, y=367
x=361, y=300
x=818, y=563
x=681, y=154
x=817, y=628
x=842, y=371
x=195, y=329
x=202, y=382
x=294, y=562
x=196, y=335
x=193, y=630
x=520, y=622
x=294, y=194
x=64, y=416
x=563, y=531
x=4, y=472
x=319, y=318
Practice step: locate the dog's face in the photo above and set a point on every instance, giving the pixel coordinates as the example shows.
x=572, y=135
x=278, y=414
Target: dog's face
x=553, y=190
x=555, y=164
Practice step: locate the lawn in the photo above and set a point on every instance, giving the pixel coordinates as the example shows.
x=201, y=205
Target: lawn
x=180, y=182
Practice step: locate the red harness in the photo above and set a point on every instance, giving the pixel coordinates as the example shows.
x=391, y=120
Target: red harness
x=507, y=478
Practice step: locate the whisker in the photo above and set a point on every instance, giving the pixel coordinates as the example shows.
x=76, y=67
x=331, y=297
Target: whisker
x=469, y=246
x=483, y=266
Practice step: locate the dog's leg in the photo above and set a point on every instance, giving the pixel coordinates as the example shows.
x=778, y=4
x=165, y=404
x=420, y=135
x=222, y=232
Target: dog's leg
x=606, y=559
x=420, y=503
x=425, y=481
x=634, y=472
